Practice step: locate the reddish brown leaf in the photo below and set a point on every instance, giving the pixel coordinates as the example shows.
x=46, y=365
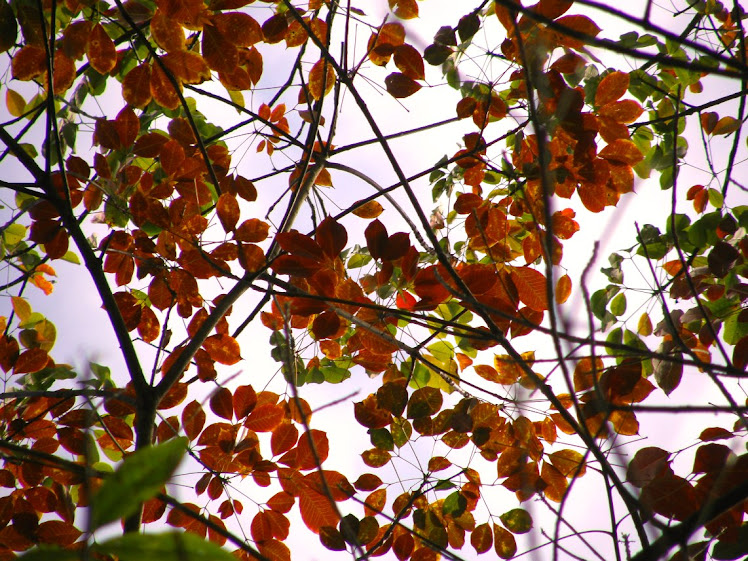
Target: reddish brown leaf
x=409, y=62
x=30, y=361
x=193, y=419
x=28, y=63
x=57, y=532
x=331, y=237
x=101, y=51
x=221, y=403
x=167, y=34
x=162, y=90
x=580, y=24
x=245, y=400
x=400, y=86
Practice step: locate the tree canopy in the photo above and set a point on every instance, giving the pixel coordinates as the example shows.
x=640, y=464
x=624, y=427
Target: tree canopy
x=387, y=201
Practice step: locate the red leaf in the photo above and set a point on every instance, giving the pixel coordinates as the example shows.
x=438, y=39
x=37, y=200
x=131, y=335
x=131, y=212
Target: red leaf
x=57, y=532
x=284, y=438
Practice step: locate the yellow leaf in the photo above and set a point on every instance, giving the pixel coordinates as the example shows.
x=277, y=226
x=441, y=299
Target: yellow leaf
x=15, y=103
x=645, y=325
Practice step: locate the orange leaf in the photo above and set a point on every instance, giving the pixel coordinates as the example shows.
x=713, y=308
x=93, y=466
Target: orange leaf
x=487, y=372
x=611, y=88
x=624, y=151
x=264, y=418
x=400, y=86
x=404, y=9
x=315, y=507
x=188, y=67
x=228, y=211
x=369, y=210
x=563, y=289
x=253, y=230
x=223, y=348
x=531, y=287
x=284, y=438
x=306, y=458
x=726, y=125
x=240, y=29
x=624, y=111
x=321, y=79
x=101, y=51
x=581, y=24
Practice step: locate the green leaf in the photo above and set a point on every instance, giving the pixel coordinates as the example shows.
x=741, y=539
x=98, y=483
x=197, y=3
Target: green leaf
x=618, y=305
x=455, y=504
x=71, y=257
x=171, y=546
x=46, y=552
x=14, y=233
x=139, y=478
x=382, y=439
x=517, y=521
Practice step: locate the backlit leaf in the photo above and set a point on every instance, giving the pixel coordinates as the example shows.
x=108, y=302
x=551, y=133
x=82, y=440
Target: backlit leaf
x=726, y=126
x=531, y=285
x=223, y=348
x=168, y=546
x=140, y=476
x=409, y=62
x=517, y=521
x=481, y=538
x=400, y=86
x=101, y=52
x=563, y=289
x=14, y=102
x=321, y=79
x=611, y=88
x=504, y=543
